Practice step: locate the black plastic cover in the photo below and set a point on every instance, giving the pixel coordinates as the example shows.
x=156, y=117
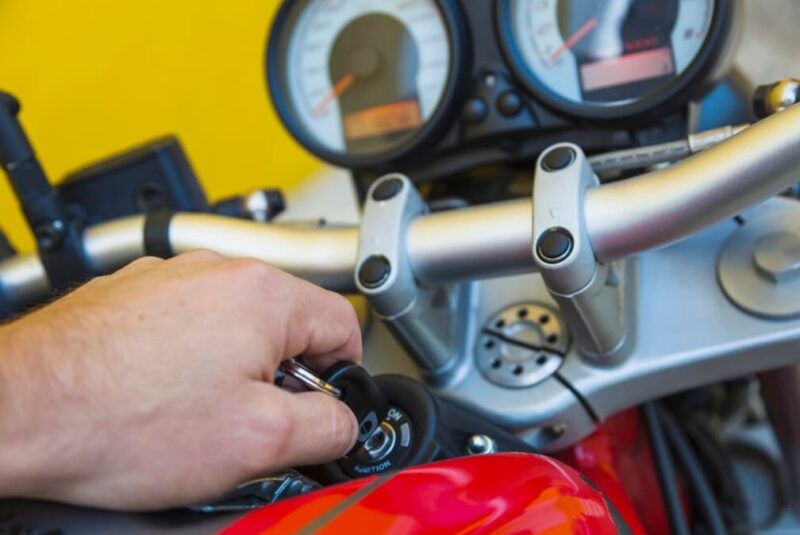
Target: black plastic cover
x=153, y=177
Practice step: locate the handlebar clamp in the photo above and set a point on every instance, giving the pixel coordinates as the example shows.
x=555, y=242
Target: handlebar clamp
x=587, y=291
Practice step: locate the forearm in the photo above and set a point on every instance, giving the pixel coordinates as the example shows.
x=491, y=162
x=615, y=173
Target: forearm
x=12, y=463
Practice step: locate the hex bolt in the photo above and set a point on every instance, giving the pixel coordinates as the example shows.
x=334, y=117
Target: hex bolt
x=554, y=245
x=374, y=271
x=558, y=158
x=387, y=189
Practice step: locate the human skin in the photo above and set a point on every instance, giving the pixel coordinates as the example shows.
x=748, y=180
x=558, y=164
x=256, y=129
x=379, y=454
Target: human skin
x=153, y=387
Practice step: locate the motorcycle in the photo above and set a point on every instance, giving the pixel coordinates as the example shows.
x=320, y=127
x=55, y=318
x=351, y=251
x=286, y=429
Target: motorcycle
x=575, y=290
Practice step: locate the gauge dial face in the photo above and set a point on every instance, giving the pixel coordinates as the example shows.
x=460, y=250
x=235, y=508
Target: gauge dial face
x=362, y=78
x=596, y=54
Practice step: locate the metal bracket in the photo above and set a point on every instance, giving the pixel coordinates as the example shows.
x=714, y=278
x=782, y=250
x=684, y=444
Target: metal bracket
x=58, y=235
x=590, y=294
x=424, y=320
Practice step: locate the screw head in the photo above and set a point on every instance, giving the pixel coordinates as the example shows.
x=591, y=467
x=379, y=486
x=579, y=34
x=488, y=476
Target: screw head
x=374, y=271
x=554, y=245
x=558, y=158
x=387, y=189
x=50, y=234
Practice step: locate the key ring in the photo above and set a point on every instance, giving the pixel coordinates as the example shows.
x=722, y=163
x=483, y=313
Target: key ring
x=294, y=369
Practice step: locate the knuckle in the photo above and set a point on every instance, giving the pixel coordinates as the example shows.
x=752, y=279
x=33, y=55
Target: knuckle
x=251, y=270
x=255, y=457
x=343, y=429
x=98, y=280
x=337, y=304
x=340, y=302
x=282, y=430
x=142, y=262
x=271, y=444
x=344, y=309
x=348, y=311
x=199, y=255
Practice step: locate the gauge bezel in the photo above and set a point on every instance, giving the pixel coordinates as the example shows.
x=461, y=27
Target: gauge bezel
x=660, y=103
x=276, y=60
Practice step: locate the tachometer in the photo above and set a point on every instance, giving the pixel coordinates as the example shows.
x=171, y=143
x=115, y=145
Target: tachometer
x=361, y=82
x=611, y=58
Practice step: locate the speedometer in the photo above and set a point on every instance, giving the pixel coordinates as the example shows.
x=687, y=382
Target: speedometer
x=360, y=82
x=611, y=58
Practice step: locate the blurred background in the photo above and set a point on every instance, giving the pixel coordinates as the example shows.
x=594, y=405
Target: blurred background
x=96, y=77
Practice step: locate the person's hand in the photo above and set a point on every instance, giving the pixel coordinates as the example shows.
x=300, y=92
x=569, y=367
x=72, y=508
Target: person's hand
x=151, y=388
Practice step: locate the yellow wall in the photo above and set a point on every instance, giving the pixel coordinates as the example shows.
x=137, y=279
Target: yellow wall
x=98, y=76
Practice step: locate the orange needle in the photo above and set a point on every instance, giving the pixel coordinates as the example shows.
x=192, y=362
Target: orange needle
x=573, y=40
x=340, y=87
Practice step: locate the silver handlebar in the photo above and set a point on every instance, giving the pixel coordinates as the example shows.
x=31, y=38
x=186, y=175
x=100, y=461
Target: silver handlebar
x=622, y=219
x=631, y=216
x=481, y=241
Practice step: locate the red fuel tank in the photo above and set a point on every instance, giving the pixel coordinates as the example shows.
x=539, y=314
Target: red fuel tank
x=502, y=493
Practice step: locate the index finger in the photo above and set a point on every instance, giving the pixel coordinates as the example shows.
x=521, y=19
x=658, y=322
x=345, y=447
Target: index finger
x=322, y=327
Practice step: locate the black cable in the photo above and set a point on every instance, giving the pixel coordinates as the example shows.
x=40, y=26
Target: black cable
x=6, y=249
x=666, y=470
x=707, y=502
x=701, y=412
x=718, y=465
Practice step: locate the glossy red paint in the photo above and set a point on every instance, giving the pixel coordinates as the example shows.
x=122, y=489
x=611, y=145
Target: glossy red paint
x=503, y=493
x=618, y=459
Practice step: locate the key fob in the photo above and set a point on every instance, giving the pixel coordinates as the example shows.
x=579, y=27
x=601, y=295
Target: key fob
x=359, y=392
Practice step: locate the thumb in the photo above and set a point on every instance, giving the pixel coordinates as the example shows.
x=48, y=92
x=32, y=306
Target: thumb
x=319, y=427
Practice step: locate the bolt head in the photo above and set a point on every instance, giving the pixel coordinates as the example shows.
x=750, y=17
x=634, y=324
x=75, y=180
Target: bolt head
x=777, y=257
x=49, y=234
x=481, y=445
x=558, y=158
x=387, y=189
x=554, y=245
x=374, y=271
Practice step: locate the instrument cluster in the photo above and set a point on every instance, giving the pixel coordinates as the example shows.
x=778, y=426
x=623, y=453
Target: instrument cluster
x=365, y=84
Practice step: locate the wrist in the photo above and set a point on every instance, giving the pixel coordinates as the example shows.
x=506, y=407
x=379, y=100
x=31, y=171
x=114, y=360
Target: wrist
x=20, y=465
